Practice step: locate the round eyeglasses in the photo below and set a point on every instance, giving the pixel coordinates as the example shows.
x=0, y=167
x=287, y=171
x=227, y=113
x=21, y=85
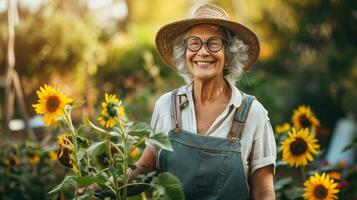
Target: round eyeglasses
x=214, y=44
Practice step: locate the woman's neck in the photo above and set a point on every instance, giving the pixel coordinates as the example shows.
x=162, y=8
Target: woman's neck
x=215, y=90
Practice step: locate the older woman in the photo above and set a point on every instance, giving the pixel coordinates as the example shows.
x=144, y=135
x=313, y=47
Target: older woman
x=223, y=143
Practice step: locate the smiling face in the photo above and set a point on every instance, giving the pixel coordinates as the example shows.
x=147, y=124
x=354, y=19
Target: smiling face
x=204, y=64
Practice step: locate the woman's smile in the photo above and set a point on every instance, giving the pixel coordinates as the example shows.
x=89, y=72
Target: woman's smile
x=204, y=64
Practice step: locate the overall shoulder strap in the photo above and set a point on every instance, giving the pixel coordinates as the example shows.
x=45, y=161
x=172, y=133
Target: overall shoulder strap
x=178, y=102
x=240, y=117
x=175, y=111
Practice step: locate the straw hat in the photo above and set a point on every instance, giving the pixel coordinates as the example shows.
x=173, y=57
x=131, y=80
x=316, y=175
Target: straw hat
x=205, y=14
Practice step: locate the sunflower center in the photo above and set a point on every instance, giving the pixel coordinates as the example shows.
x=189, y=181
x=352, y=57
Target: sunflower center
x=63, y=155
x=13, y=161
x=304, y=121
x=298, y=147
x=320, y=192
x=31, y=155
x=53, y=103
x=112, y=109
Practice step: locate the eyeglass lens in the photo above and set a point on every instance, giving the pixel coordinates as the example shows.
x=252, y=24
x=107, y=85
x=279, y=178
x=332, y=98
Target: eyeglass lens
x=214, y=44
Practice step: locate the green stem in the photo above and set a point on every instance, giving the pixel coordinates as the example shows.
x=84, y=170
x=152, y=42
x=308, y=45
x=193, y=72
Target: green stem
x=88, y=159
x=143, y=196
x=125, y=156
x=120, y=152
x=303, y=174
x=131, y=184
x=125, y=166
x=111, y=161
x=76, y=192
x=74, y=135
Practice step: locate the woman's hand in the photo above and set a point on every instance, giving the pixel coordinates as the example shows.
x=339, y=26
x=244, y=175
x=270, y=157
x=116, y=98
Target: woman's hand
x=94, y=187
x=262, y=183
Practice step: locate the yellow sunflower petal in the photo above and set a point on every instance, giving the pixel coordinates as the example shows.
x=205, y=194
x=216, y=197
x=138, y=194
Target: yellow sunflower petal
x=320, y=187
x=298, y=148
x=51, y=103
x=303, y=117
x=110, y=110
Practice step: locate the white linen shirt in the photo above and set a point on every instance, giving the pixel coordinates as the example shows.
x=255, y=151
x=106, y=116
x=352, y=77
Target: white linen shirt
x=257, y=141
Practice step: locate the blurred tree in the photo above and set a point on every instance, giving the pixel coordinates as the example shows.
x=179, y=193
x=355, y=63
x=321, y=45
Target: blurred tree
x=137, y=74
x=314, y=60
x=133, y=69
x=57, y=44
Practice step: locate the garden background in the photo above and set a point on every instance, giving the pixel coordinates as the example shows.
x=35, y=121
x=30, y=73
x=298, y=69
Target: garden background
x=308, y=57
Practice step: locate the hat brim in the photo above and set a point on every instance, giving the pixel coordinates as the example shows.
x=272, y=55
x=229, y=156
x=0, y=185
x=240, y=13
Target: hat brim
x=166, y=36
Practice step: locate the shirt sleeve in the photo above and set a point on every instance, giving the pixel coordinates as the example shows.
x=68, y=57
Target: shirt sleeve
x=263, y=151
x=161, y=119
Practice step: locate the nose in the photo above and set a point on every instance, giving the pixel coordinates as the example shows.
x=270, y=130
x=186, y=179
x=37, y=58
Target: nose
x=203, y=51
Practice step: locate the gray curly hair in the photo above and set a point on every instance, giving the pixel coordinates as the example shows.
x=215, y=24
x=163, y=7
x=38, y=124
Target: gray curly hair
x=236, y=55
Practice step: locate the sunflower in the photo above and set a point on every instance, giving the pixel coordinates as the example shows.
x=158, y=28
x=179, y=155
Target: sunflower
x=65, y=153
x=111, y=109
x=62, y=140
x=33, y=159
x=304, y=118
x=320, y=188
x=283, y=128
x=52, y=155
x=12, y=161
x=335, y=175
x=298, y=147
x=51, y=104
x=134, y=151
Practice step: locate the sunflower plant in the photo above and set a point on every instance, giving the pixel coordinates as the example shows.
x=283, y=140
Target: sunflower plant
x=298, y=148
x=118, y=145
x=26, y=169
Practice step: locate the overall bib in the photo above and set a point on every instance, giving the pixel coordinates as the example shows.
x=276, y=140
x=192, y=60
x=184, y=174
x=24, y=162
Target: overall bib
x=208, y=167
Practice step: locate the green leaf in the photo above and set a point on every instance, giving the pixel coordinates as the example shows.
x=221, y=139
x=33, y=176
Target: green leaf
x=282, y=182
x=93, y=126
x=140, y=129
x=82, y=141
x=160, y=139
x=80, y=154
x=293, y=193
x=172, y=186
x=67, y=179
x=78, y=104
x=114, y=134
x=158, y=193
x=97, y=148
x=86, y=180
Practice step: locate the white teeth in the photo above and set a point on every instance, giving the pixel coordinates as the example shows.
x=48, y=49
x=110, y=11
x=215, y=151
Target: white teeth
x=203, y=62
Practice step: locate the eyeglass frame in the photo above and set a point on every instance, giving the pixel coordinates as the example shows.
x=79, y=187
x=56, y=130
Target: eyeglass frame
x=224, y=42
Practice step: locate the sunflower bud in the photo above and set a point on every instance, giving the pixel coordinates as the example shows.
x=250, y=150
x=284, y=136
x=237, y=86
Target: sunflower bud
x=65, y=153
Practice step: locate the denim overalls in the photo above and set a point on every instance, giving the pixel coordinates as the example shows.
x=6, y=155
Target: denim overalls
x=209, y=167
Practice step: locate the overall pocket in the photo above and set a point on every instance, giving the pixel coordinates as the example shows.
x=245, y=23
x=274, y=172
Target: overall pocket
x=211, y=172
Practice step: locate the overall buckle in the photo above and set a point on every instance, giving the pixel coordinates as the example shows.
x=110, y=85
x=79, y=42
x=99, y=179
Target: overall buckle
x=232, y=139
